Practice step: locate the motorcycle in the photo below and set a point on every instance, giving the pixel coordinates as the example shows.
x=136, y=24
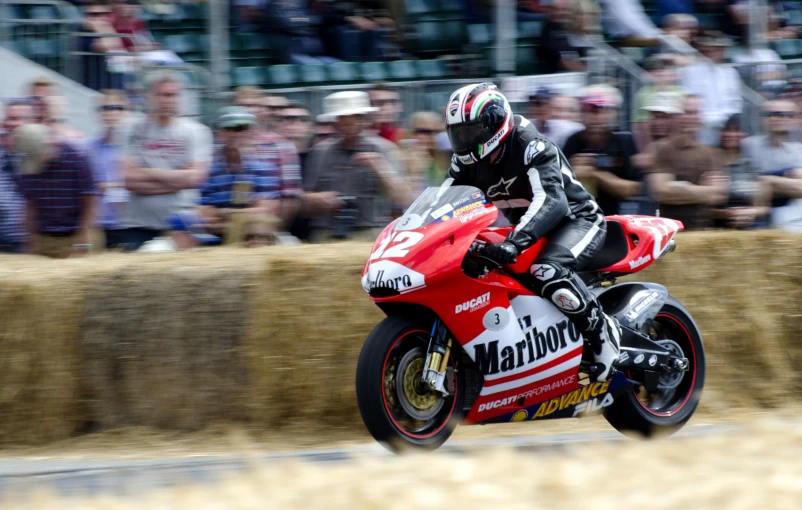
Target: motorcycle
x=465, y=342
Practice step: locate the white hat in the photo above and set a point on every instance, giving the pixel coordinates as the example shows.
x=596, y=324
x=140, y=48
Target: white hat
x=340, y=104
x=665, y=102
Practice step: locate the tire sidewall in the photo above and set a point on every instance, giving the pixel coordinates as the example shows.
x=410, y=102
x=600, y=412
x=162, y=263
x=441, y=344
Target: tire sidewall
x=370, y=388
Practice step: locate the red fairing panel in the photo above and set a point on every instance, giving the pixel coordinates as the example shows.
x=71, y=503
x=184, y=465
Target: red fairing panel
x=653, y=235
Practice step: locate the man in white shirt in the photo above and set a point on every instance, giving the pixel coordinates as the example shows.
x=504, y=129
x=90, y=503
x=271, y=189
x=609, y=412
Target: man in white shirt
x=627, y=19
x=716, y=83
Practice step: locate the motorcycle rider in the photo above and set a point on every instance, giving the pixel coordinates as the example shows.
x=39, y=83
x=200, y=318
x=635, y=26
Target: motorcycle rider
x=529, y=179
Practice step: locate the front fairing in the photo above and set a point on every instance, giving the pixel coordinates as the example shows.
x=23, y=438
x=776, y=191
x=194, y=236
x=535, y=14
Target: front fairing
x=430, y=240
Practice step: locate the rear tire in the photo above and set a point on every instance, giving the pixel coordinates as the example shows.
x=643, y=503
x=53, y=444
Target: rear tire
x=652, y=415
x=397, y=343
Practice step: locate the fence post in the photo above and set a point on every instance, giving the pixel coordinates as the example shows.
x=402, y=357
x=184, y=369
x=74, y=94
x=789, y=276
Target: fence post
x=218, y=43
x=505, y=37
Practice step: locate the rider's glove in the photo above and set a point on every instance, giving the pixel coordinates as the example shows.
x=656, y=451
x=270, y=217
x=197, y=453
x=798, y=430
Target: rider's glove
x=503, y=253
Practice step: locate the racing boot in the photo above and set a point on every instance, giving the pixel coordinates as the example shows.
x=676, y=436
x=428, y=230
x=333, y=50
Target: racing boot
x=605, y=340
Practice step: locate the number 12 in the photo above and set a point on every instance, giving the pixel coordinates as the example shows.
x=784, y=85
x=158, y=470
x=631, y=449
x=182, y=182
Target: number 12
x=404, y=241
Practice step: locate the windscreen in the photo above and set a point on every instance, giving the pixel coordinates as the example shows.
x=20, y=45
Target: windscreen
x=436, y=205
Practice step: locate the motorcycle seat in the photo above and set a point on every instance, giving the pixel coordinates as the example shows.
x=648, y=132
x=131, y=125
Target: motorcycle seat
x=615, y=248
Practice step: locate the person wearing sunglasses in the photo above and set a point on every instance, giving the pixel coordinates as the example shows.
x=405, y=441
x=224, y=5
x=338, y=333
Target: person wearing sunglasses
x=387, y=118
x=104, y=157
x=426, y=166
x=779, y=160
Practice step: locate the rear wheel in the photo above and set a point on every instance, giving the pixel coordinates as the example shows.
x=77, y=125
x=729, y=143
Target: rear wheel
x=666, y=411
x=399, y=410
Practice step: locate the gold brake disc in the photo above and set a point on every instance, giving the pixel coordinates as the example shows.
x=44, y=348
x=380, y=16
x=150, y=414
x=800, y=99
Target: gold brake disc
x=420, y=397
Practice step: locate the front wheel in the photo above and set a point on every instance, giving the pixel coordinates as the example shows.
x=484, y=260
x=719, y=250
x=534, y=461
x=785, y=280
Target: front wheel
x=400, y=411
x=665, y=412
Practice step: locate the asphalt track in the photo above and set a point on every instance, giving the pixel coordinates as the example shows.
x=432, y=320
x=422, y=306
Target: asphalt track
x=123, y=477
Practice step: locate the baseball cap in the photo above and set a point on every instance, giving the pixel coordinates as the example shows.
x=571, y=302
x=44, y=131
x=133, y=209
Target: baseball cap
x=32, y=142
x=542, y=93
x=234, y=116
x=665, y=102
x=603, y=96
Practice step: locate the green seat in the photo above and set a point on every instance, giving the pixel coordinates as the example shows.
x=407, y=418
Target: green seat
x=372, y=71
x=402, y=70
x=313, y=73
x=530, y=30
x=248, y=76
x=525, y=59
x=480, y=34
x=43, y=12
x=342, y=72
x=41, y=48
x=432, y=69
x=181, y=43
x=284, y=74
x=785, y=48
x=452, y=35
x=418, y=8
x=428, y=36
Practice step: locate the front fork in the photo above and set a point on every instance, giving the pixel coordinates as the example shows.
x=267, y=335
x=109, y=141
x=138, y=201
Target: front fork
x=437, y=354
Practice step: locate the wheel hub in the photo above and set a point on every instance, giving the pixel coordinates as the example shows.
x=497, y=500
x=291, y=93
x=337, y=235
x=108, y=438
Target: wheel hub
x=671, y=380
x=417, y=400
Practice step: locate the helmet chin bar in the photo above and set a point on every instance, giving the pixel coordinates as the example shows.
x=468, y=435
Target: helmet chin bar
x=467, y=159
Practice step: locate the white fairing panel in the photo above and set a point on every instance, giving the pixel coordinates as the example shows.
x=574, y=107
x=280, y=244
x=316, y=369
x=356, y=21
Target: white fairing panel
x=537, y=342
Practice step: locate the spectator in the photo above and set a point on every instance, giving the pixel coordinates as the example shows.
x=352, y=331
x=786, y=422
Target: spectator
x=626, y=20
x=717, y=85
x=104, y=157
x=38, y=90
x=165, y=160
x=57, y=185
x=98, y=19
x=565, y=108
x=356, y=180
x=674, y=7
x=13, y=234
x=683, y=26
x=125, y=21
x=387, y=118
x=276, y=150
x=425, y=165
x=56, y=117
x=353, y=31
x=663, y=71
x=686, y=178
x=296, y=124
x=602, y=158
x=293, y=33
x=764, y=77
x=748, y=199
x=738, y=15
x=662, y=109
x=775, y=152
x=542, y=114
x=324, y=132
x=559, y=49
x=242, y=197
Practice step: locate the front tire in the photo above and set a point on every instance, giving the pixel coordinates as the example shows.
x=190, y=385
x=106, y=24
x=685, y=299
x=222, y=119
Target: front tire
x=399, y=412
x=638, y=412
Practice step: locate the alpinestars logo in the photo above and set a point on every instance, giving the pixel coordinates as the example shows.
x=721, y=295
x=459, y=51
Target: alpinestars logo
x=474, y=304
x=502, y=189
x=639, y=262
x=543, y=272
x=532, y=150
x=535, y=345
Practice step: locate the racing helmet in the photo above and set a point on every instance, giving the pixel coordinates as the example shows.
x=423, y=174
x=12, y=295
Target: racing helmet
x=478, y=120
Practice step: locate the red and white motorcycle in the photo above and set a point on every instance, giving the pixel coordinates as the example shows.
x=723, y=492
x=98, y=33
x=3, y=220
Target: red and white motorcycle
x=465, y=342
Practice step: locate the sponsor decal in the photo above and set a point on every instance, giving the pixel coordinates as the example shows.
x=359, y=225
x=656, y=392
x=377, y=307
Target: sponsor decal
x=639, y=262
x=468, y=208
x=548, y=388
x=442, y=211
x=477, y=195
x=497, y=403
x=566, y=300
x=445, y=218
x=386, y=274
x=501, y=189
x=624, y=356
x=495, y=138
x=474, y=304
x=581, y=395
x=592, y=405
x=536, y=345
x=473, y=214
x=532, y=150
x=520, y=416
x=467, y=159
x=401, y=243
x=652, y=360
x=642, y=305
x=543, y=272
x=639, y=359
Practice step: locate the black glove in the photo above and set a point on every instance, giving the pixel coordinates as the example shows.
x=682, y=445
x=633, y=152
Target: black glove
x=503, y=253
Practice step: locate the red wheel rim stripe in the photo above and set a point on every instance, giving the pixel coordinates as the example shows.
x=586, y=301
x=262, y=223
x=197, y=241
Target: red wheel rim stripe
x=693, y=378
x=384, y=396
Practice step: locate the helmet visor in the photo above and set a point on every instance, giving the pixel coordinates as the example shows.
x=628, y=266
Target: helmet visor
x=466, y=136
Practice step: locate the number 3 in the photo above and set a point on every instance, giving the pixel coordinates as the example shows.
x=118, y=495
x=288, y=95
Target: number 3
x=498, y=320
x=405, y=240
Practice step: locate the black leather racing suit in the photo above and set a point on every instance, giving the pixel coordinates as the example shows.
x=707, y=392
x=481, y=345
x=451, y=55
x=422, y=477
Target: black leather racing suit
x=535, y=188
